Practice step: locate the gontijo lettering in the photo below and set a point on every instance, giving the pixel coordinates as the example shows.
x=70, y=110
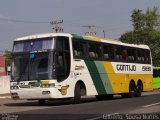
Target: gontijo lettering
x=126, y=67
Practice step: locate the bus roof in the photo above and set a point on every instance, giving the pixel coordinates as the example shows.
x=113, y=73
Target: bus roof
x=44, y=35
x=91, y=38
x=111, y=41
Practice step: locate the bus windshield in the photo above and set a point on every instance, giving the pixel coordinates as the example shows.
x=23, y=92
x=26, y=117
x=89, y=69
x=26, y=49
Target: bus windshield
x=32, y=66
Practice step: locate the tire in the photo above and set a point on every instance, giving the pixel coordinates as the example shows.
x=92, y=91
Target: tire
x=77, y=94
x=139, y=89
x=41, y=102
x=132, y=90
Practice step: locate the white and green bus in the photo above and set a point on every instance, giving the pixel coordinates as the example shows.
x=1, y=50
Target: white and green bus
x=61, y=65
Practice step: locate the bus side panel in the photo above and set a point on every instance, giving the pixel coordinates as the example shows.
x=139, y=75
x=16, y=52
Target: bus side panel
x=118, y=81
x=93, y=70
x=148, y=82
x=106, y=81
x=81, y=72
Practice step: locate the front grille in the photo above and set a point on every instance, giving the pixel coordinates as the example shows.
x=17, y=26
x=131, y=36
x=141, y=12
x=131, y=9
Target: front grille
x=29, y=86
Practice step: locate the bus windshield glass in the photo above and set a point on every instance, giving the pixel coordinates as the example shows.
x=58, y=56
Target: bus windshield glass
x=33, y=45
x=32, y=66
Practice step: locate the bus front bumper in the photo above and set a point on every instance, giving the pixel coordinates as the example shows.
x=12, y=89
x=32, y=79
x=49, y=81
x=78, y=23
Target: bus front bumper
x=31, y=93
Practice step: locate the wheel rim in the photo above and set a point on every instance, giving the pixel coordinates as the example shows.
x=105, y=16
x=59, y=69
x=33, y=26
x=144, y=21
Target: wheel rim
x=139, y=89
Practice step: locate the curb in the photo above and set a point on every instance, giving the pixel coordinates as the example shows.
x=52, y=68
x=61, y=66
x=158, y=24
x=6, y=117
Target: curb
x=156, y=90
x=7, y=95
x=4, y=97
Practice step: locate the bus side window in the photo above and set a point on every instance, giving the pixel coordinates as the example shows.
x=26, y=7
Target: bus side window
x=106, y=52
x=141, y=55
x=117, y=51
x=124, y=54
x=147, y=56
x=62, y=58
x=91, y=49
x=60, y=65
x=83, y=49
x=131, y=56
x=76, y=49
x=99, y=51
x=155, y=73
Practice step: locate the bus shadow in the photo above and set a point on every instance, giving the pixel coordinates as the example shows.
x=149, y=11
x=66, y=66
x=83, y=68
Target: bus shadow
x=61, y=102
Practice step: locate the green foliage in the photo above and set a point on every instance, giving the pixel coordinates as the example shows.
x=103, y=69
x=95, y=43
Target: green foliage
x=148, y=20
x=138, y=19
x=151, y=18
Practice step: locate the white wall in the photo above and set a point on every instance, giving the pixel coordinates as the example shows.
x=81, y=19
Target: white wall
x=5, y=84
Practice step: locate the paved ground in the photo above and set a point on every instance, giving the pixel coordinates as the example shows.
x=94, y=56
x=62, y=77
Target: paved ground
x=151, y=108
x=90, y=108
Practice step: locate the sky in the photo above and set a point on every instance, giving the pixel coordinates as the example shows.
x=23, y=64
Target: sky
x=20, y=18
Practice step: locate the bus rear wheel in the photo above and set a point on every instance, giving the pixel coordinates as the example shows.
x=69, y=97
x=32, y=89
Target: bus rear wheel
x=139, y=89
x=132, y=90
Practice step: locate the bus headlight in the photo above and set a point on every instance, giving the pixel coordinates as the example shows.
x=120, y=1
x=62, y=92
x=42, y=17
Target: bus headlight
x=48, y=85
x=14, y=87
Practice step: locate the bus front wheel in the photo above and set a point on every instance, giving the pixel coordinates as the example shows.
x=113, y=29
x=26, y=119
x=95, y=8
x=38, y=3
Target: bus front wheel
x=77, y=94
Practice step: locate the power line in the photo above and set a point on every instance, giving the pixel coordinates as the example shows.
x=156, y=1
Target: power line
x=21, y=21
x=57, y=25
x=47, y=22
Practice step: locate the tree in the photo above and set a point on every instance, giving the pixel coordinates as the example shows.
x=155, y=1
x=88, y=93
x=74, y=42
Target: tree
x=148, y=20
x=151, y=18
x=137, y=19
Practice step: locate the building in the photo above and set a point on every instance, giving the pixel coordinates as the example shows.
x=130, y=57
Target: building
x=2, y=66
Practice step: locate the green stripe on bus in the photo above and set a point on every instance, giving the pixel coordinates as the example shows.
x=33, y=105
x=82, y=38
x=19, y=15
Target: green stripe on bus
x=104, y=77
x=95, y=77
x=77, y=36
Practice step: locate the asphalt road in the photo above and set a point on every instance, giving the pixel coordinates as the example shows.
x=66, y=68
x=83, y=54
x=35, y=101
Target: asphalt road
x=88, y=109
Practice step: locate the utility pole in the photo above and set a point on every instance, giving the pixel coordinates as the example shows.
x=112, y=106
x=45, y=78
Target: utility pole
x=56, y=26
x=104, y=33
x=90, y=30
